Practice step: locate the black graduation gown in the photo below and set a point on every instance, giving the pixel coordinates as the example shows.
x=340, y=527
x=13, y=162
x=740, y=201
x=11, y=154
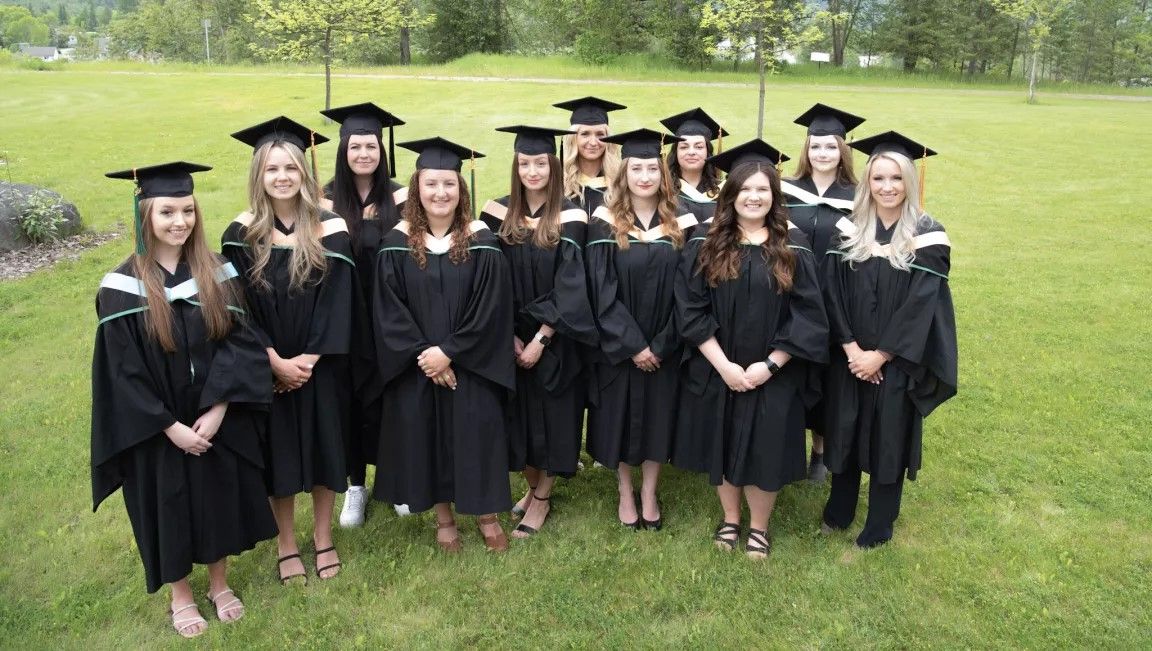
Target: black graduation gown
x=549, y=287
x=437, y=444
x=364, y=430
x=308, y=427
x=633, y=413
x=908, y=314
x=184, y=509
x=816, y=215
x=694, y=201
x=757, y=437
x=592, y=191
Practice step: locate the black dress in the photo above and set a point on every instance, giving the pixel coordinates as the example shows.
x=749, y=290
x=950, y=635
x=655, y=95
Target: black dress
x=308, y=427
x=816, y=216
x=756, y=437
x=184, y=509
x=549, y=287
x=633, y=413
x=696, y=202
x=592, y=191
x=908, y=314
x=441, y=445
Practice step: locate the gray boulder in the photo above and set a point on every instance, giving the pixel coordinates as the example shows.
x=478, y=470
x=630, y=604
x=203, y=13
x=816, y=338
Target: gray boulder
x=18, y=198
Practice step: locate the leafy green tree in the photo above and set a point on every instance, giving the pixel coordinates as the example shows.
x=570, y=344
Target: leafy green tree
x=1037, y=17
x=464, y=26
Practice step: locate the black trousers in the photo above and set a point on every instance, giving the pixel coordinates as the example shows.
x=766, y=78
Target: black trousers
x=883, y=507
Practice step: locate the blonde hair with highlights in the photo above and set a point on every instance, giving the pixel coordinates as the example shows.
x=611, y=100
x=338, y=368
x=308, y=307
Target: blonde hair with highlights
x=308, y=252
x=609, y=165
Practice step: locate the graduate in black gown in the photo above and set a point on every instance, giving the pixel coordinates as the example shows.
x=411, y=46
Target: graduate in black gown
x=364, y=194
x=542, y=235
x=818, y=195
x=890, y=312
x=180, y=389
x=296, y=263
x=698, y=179
x=589, y=161
x=443, y=323
x=749, y=305
x=633, y=253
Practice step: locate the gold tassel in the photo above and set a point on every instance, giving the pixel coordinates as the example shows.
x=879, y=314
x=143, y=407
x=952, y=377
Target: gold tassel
x=923, y=177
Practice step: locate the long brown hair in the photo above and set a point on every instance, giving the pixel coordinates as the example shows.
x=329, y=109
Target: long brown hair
x=214, y=297
x=844, y=173
x=619, y=203
x=513, y=229
x=308, y=252
x=721, y=253
x=417, y=219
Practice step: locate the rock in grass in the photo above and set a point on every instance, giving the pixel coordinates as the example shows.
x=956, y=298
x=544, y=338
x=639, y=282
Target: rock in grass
x=51, y=216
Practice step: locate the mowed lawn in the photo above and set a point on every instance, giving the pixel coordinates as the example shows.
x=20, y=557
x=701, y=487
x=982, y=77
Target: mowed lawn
x=1030, y=526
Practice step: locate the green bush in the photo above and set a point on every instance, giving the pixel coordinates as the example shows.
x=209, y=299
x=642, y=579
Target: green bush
x=42, y=218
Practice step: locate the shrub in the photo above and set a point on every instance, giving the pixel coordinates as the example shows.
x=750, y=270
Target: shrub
x=42, y=217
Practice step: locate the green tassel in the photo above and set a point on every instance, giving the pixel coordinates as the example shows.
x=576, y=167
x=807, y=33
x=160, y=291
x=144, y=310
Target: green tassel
x=139, y=222
x=472, y=176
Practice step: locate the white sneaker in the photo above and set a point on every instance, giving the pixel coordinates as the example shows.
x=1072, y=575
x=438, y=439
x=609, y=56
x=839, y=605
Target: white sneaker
x=355, y=502
x=401, y=509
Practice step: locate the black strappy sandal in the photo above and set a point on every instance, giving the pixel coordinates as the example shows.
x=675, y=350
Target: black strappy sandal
x=518, y=512
x=530, y=531
x=758, y=545
x=285, y=579
x=720, y=537
x=330, y=548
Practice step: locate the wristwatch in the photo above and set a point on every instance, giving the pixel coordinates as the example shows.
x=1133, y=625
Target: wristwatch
x=773, y=367
x=543, y=338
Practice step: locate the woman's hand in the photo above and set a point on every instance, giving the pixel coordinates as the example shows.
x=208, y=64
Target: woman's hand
x=447, y=379
x=757, y=374
x=733, y=375
x=186, y=439
x=517, y=346
x=530, y=355
x=646, y=360
x=290, y=373
x=867, y=365
x=433, y=361
x=208, y=423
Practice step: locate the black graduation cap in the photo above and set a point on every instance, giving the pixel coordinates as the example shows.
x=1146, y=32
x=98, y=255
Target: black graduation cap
x=533, y=141
x=641, y=143
x=279, y=129
x=892, y=141
x=694, y=123
x=753, y=151
x=823, y=120
x=589, y=110
x=439, y=154
x=164, y=180
x=367, y=119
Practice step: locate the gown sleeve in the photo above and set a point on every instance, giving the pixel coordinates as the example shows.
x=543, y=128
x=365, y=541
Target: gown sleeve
x=693, y=299
x=620, y=336
x=331, y=326
x=126, y=408
x=482, y=343
x=566, y=307
x=240, y=371
x=805, y=330
x=835, y=266
x=233, y=249
x=399, y=339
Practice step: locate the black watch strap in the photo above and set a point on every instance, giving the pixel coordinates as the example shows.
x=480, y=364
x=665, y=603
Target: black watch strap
x=773, y=367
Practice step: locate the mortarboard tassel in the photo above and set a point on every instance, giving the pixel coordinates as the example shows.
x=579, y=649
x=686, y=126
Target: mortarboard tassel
x=137, y=218
x=391, y=154
x=472, y=181
x=923, y=177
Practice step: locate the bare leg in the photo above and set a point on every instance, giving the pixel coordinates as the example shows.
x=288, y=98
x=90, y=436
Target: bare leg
x=650, y=474
x=532, y=476
x=446, y=534
x=626, y=509
x=730, y=501
x=284, y=510
x=760, y=505
x=181, y=598
x=228, y=605
x=538, y=509
x=323, y=499
x=817, y=443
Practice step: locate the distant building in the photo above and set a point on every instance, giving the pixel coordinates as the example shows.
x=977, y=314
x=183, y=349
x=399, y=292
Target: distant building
x=44, y=53
x=871, y=60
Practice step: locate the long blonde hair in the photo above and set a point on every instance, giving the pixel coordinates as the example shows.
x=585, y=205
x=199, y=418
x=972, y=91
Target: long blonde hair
x=619, y=203
x=609, y=166
x=213, y=297
x=901, y=252
x=308, y=253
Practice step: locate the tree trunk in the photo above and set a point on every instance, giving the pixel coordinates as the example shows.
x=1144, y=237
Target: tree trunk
x=1012, y=57
x=327, y=67
x=760, y=62
x=405, y=46
x=1032, y=76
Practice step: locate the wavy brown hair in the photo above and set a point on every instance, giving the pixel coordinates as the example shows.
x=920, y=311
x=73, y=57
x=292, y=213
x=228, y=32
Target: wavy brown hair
x=619, y=203
x=308, y=253
x=513, y=229
x=418, y=223
x=844, y=171
x=214, y=297
x=722, y=251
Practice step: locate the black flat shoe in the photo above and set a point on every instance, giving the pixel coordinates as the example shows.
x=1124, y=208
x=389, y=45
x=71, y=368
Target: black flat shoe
x=531, y=531
x=518, y=512
x=758, y=545
x=720, y=537
x=652, y=525
x=635, y=524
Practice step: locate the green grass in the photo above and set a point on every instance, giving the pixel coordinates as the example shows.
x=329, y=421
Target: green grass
x=1031, y=525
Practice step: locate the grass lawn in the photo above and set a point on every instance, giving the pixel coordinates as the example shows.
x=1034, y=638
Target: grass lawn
x=1031, y=525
